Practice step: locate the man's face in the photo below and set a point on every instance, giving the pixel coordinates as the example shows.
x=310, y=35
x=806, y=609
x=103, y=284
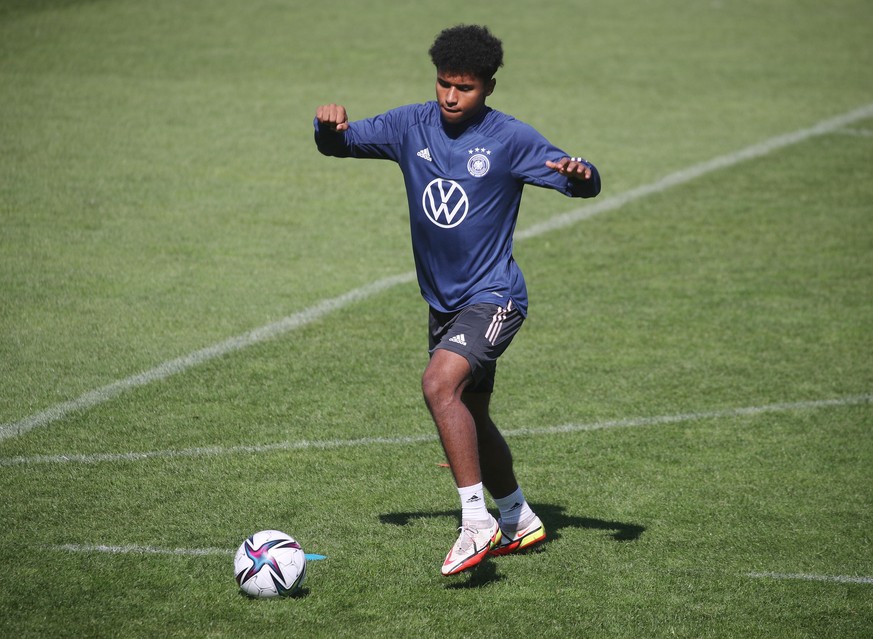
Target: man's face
x=461, y=96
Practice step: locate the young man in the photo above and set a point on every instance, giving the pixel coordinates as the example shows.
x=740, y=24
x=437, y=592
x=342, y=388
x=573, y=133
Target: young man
x=464, y=166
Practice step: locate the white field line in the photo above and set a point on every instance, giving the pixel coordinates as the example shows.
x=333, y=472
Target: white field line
x=807, y=577
x=156, y=550
x=698, y=170
x=143, y=550
x=307, y=316
x=328, y=444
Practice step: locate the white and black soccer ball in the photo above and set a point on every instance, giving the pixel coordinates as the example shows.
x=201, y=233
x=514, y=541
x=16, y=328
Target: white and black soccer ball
x=270, y=564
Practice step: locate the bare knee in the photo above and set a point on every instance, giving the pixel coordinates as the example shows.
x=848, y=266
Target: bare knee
x=444, y=379
x=435, y=389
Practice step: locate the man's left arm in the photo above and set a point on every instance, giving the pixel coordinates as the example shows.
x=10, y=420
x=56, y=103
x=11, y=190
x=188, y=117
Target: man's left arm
x=583, y=177
x=537, y=161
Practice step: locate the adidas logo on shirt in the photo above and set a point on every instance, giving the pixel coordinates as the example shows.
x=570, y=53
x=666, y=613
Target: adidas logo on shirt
x=425, y=154
x=459, y=339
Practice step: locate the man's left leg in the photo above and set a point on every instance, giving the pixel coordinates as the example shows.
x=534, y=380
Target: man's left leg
x=520, y=527
x=495, y=458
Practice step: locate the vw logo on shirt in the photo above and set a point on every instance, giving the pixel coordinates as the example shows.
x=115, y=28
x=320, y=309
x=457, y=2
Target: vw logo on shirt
x=445, y=203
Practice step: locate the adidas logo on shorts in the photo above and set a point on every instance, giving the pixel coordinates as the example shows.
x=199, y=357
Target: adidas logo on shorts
x=459, y=339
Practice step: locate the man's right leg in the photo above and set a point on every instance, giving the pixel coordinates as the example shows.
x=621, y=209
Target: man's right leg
x=443, y=383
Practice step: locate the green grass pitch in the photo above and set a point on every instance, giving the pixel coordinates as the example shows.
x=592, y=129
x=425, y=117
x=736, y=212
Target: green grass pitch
x=689, y=403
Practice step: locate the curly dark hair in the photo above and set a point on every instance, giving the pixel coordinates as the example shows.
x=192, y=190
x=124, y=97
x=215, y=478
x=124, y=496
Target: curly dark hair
x=467, y=49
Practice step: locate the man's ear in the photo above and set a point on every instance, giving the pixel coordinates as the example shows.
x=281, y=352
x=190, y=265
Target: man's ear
x=489, y=88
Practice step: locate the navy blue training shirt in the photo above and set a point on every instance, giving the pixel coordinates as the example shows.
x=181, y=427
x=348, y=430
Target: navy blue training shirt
x=463, y=184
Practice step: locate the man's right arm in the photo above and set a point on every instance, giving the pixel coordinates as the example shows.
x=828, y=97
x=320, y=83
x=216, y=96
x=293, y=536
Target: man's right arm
x=375, y=138
x=331, y=120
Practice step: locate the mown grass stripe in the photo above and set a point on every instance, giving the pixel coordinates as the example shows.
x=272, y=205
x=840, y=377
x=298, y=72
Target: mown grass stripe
x=205, y=552
x=325, y=307
x=861, y=133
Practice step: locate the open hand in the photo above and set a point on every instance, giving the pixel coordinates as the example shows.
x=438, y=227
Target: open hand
x=573, y=168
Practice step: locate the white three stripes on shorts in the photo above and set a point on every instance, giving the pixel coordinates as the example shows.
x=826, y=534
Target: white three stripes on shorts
x=493, y=331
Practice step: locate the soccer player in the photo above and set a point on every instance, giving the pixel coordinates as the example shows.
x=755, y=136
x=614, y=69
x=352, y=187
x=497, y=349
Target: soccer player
x=464, y=166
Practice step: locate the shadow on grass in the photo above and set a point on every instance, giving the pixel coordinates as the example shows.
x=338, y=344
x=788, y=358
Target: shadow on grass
x=300, y=593
x=554, y=518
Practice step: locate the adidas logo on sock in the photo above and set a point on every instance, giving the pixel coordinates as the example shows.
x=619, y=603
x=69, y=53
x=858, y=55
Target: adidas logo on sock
x=473, y=499
x=515, y=506
x=425, y=154
x=459, y=339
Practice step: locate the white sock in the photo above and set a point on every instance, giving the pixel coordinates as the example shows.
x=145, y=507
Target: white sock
x=514, y=509
x=473, y=507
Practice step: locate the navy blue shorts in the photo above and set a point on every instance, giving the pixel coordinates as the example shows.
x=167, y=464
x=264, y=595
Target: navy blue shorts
x=480, y=333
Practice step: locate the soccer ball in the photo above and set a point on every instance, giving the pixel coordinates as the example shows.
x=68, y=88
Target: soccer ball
x=270, y=564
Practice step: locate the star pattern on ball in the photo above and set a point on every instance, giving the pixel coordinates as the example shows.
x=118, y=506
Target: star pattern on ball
x=262, y=557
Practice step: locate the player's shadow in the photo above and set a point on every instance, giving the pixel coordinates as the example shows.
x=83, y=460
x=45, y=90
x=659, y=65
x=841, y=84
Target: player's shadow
x=554, y=518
